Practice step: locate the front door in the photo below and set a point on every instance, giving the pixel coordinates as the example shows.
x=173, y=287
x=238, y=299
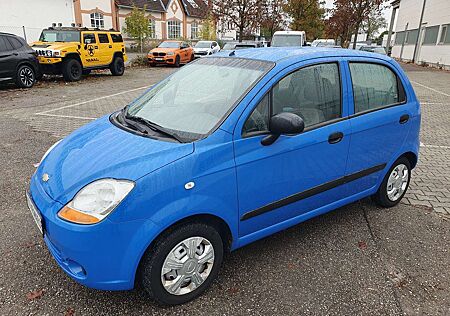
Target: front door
x=380, y=122
x=90, y=51
x=298, y=173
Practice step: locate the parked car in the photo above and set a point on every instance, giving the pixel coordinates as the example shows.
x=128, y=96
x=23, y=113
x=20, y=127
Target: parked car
x=225, y=151
x=322, y=42
x=171, y=53
x=374, y=49
x=288, y=38
x=240, y=45
x=18, y=62
x=75, y=51
x=203, y=48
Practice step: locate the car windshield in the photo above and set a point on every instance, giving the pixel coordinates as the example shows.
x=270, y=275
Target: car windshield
x=203, y=45
x=286, y=40
x=59, y=36
x=196, y=98
x=228, y=46
x=169, y=45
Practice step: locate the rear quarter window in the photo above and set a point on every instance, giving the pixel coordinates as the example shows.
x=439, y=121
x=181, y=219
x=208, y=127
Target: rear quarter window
x=375, y=86
x=16, y=44
x=117, y=38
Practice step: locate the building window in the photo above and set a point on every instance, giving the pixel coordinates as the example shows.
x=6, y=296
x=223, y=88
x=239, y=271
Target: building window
x=194, y=30
x=173, y=29
x=443, y=37
x=97, y=20
x=411, y=37
x=152, y=28
x=431, y=35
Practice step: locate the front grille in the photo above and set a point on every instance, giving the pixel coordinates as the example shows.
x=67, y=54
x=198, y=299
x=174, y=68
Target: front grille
x=201, y=53
x=159, y=54
x=43, y=52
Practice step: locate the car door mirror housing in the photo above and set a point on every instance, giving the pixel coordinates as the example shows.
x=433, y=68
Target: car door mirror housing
x=283, y=123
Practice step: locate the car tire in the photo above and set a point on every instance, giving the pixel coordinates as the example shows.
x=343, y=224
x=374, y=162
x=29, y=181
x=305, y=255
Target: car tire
x=170, y=246
x=117, y=67
x=177, y=61
x=192, y=57
x=72, y=70
x=394, y=185
x=25, y=77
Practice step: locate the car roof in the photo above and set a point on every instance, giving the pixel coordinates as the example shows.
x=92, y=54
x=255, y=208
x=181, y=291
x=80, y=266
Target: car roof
x=275, y=54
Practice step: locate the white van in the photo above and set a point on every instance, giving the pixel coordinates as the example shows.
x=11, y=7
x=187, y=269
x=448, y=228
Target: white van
x=288, y=38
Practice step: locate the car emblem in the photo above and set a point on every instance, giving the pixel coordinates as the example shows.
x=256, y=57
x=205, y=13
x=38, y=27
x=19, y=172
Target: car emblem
x=45, y=177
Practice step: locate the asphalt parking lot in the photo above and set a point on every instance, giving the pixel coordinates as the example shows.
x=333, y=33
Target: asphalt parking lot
x=358, y=260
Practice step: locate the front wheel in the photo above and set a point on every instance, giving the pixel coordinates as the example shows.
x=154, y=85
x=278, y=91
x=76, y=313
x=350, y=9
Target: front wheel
x=177, y=61
x=25, y=77
x=71, y=70
x=117, y=67
x=182, y=264
x=395, y=184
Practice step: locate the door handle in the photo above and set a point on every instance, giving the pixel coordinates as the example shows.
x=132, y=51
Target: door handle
x=404, y=118
x=110, y=46
x=335, y=137
x=15, y=54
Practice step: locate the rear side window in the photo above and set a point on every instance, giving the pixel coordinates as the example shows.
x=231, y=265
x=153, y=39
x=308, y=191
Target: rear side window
x=375, y=86
x=103, y=38
x=313, y=93
x=16, y=44
x=5, y=45
x=116, y=38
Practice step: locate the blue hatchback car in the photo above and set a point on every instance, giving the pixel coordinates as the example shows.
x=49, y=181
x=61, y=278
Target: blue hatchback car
x=228, y=150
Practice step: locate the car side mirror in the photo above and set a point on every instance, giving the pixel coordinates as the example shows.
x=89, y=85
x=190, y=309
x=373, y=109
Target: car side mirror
x=283, y=123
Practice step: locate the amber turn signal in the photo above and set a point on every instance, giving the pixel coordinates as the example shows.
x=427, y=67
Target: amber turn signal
x=74, y=216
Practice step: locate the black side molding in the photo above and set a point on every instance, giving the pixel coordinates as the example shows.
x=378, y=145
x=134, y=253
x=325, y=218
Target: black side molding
x=313, y=191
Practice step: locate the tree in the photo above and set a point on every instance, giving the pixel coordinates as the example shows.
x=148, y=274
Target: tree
x=273, y=17
x=242, y=14
x=373, y=23
x=307, y=15
x=208, y=28
x=137, y=26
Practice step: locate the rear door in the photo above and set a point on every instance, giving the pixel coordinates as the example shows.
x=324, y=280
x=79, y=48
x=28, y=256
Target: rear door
x=105, y=50
x=8, y=59
x=379, y=120
x=300, y=173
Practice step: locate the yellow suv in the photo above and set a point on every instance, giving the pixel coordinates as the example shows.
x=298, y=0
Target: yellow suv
x=74, y=52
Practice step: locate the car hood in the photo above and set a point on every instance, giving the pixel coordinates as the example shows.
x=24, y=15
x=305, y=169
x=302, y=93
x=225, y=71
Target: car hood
x=164, y=50
x=53, y=45
x=102, y=150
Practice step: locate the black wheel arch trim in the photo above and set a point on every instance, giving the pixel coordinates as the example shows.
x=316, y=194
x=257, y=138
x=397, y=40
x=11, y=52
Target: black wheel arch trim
x=312, y=191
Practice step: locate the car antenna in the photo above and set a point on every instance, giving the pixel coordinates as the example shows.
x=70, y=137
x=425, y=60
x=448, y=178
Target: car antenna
x=231, y=54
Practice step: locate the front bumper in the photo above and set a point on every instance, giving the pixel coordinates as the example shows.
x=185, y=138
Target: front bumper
x=103, y=256
x=161, y=59
x=49, y=60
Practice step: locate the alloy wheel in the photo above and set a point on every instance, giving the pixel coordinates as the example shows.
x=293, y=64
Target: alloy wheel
x=26, y=76
x=397, y=182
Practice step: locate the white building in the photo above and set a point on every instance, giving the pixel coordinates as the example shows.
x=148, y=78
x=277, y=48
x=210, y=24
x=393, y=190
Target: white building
x=422, y=37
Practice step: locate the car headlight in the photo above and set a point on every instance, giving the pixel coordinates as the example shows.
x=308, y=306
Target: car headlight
x=56, y=53
x=170, y=53
x=95, y=201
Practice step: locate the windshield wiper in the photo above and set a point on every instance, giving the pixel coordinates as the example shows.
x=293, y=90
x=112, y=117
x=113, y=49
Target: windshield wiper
x=130, y=119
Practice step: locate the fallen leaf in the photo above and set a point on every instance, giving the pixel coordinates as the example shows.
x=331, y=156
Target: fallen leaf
x=70, y=312
x=35, y=294
x=362, y=245
x=233, y=290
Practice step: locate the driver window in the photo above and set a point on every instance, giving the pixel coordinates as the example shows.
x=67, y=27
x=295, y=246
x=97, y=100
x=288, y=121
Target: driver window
x=313, y=93
x=89, y=39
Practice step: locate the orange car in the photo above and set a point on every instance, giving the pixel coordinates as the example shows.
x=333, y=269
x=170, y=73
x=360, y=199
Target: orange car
x=171, y=53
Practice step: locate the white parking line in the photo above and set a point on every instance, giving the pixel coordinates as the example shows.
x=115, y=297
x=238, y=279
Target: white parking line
x=434, y=146
x=429, y=88
x=67, y=116
x=93, y=100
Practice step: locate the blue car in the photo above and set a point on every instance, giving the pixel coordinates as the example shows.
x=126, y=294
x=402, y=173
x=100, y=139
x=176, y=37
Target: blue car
x=228, y=150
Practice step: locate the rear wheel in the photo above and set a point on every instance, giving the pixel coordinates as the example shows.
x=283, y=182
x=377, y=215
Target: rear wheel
x=25, y=77
x=71, y=70
x=395, y=184
x=192, y=57
x=182, y=264
x=117, y=67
